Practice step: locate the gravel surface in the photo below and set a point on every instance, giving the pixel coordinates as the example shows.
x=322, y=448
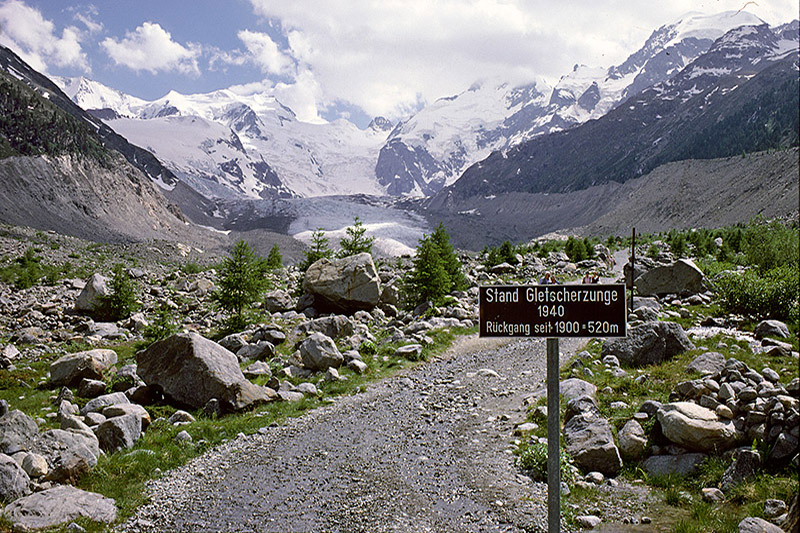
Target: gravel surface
x=426, y=450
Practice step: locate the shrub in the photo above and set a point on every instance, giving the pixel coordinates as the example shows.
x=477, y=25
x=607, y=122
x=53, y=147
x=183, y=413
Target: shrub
x=241, y=282
x=773, y=294
x=356, y=241
x=162, y=325
x=121, y=300
x=770, y=245
x=505, y=253
x=575, y=250
x=534, y=460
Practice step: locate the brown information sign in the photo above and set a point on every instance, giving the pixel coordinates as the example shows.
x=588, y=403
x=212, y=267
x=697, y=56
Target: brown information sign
x=590, y=310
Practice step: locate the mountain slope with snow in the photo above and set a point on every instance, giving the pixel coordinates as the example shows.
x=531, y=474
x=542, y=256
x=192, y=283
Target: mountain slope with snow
x=435, y=146
x=225, y=144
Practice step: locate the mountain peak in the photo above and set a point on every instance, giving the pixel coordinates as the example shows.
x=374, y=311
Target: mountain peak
x=381, y=124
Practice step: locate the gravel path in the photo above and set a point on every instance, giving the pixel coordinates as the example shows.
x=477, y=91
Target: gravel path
x=426, y=450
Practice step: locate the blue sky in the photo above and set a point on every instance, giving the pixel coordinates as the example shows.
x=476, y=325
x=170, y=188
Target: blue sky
x=346, y=58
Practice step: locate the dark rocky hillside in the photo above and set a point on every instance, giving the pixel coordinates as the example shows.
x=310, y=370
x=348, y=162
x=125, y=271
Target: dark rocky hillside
x=682, y=194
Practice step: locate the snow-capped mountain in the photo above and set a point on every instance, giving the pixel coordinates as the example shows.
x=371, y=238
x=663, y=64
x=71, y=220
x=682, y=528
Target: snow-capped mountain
x=228, y=144
x=435, y=146
x=739, y=96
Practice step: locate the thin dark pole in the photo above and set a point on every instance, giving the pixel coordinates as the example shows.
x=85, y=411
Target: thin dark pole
x=633, y=269
x=553, y=440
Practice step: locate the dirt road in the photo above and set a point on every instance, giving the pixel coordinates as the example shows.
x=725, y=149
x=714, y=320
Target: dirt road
x=427, y=450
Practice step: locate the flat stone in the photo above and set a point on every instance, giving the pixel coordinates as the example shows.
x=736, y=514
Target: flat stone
x=58, y=505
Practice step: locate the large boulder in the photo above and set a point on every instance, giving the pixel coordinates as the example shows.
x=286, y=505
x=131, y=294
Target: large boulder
x=319, y=352
x=343, y=285
x=278, y=301
x=649, y=343
x=90, y=298
x=696, y=428
x=681, y=277
x=69, y=370
x=17, y=432
x=589, y=439
x=190, y=370
x=58, y=505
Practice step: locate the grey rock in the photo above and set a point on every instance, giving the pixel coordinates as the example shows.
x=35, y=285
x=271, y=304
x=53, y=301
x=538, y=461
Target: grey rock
x=319, y=352
x=71, y=368
x=35, y=465
x=257, y=369
x=409, y=351
x=785, y=447
x=278, y=301
x=123, y=409
x=707, y=363
x=649, y=343
x=681, y=277
x=696, y=428
x=682, y=464
x=90, y=298
x=261, y=351
x=62, y=447
x=758, y=525
x=17, y=432
x=183, y=436
x=13, y=479
x=190, y=370
x=126, y=378
x=119, y=433
x=271, y=335
x=99, y=403
x=632, y=440
x=771, y=375
x=357, y=366
x=574, y=388
x=343, y=285
x=59, y=505
x=745, y=465
x=591, y=444
x=771, y=328
x=233, y=342
x=774, y=508
x=91, y=388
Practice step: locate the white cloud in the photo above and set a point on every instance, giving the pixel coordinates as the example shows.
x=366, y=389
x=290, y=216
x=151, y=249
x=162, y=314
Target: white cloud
x=34, y=38
x=387, y=55
x=151, y=48
x=263, y=51
x=303, y=96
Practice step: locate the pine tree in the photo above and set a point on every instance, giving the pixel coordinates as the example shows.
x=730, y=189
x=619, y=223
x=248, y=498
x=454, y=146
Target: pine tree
x=274, y=258
x=436, y=270
x=450, y=262
x=241, y=282
x=428, y=280
x=356, y=241
x=319, y=248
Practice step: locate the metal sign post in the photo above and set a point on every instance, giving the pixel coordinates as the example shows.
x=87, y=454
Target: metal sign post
x=553, y=311
x=553, y=440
